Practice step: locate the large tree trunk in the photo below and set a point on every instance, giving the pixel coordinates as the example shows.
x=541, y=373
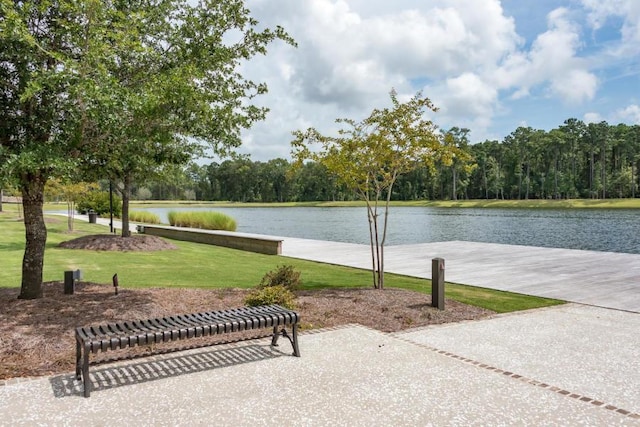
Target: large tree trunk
x=32, y=187
x=1, y=196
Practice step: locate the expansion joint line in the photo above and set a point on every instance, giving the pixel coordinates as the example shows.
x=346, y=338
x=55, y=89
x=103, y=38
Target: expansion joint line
x=522, y=378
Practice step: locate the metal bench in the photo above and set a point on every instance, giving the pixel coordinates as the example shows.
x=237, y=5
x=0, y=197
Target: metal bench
x=93, y=339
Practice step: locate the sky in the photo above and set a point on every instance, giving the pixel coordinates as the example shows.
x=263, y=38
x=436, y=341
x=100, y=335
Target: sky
x=488, y=65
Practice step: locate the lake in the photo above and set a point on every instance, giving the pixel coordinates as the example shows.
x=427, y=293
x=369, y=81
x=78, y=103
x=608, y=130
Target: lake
x=613, y=230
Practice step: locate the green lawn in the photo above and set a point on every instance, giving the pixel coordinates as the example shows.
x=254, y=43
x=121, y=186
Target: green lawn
x=204, y=266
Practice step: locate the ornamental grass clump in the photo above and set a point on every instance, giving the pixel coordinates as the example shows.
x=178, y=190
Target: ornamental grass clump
x=206, y=220
x=276, y=287
x=145, y=217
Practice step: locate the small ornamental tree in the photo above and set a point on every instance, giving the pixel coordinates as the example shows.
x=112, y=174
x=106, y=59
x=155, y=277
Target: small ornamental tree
x=70, y=192
x=369, y=156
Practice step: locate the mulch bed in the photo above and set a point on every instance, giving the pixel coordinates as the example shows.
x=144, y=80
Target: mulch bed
x=109, y=242
x=37, y=336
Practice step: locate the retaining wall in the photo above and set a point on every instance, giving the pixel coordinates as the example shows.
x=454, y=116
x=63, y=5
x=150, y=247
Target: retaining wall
x=227, y=239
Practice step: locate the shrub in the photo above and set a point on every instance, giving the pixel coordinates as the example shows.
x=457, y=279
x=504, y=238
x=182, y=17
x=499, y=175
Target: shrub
x=144, y=216
x=276, y=288
x=271, y=295
x=99, y=202
x=284, y=275
x=202, y=219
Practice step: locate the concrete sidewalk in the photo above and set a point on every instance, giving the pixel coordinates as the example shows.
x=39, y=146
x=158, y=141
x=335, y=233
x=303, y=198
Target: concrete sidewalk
x=604, y=279
x=566, y=365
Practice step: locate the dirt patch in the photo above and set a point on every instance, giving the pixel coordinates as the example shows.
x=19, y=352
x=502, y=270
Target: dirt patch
x=109, y=242
x=37, y=336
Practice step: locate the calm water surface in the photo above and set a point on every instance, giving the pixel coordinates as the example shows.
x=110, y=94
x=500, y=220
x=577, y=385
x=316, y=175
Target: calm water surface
x=592, y=229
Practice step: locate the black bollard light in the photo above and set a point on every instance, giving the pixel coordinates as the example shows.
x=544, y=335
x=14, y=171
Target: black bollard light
x=437, y=283
x=69, y=283
x=70, y=278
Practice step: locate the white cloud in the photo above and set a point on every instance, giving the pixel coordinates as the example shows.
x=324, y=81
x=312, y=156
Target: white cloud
x=599, y=12
x=629, y=115
x=553, y=61
x=465, y=101
x=575, y=86
x=467, y=56
x=592, y=118
x=348, y=59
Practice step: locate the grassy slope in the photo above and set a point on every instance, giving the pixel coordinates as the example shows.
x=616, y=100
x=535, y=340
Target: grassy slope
x=204, y=266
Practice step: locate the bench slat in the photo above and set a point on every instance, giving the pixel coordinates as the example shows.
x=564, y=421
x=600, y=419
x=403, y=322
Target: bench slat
x=156, y=331
x=166, y=334
x=183, y=327
x=197, y=326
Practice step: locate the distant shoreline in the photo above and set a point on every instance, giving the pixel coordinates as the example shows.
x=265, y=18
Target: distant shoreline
x=495, y=204
x=472, y=204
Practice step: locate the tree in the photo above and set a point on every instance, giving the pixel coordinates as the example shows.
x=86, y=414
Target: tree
x=457, y=144
x=597, y=137
x=369, y=156
x=174, y=84
x=93, y=83
x=70, y=192
x=313, y=182
x=39, y=46
x=574, y=131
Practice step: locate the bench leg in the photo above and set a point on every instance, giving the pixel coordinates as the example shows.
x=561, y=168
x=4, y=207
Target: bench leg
x=78, y=358
x=296, y=349
x=85, y=372
x=293, y=338
x=276, y=335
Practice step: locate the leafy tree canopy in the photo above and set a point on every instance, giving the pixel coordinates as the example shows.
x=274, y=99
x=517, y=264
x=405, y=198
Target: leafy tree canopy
x=118, y=87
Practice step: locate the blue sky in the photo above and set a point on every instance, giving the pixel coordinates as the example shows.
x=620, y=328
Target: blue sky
x=489, y=65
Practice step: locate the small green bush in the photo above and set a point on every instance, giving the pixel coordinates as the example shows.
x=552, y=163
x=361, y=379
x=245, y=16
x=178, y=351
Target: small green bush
x=144, y=216
x=99, y=202
x=206, y=220
x=271, y=295
x=284, y=275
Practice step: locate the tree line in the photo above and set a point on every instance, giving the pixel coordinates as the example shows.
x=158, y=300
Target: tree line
x=574, y=160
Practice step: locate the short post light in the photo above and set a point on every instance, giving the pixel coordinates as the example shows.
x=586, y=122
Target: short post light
x=70, y=278
x=437, y=283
